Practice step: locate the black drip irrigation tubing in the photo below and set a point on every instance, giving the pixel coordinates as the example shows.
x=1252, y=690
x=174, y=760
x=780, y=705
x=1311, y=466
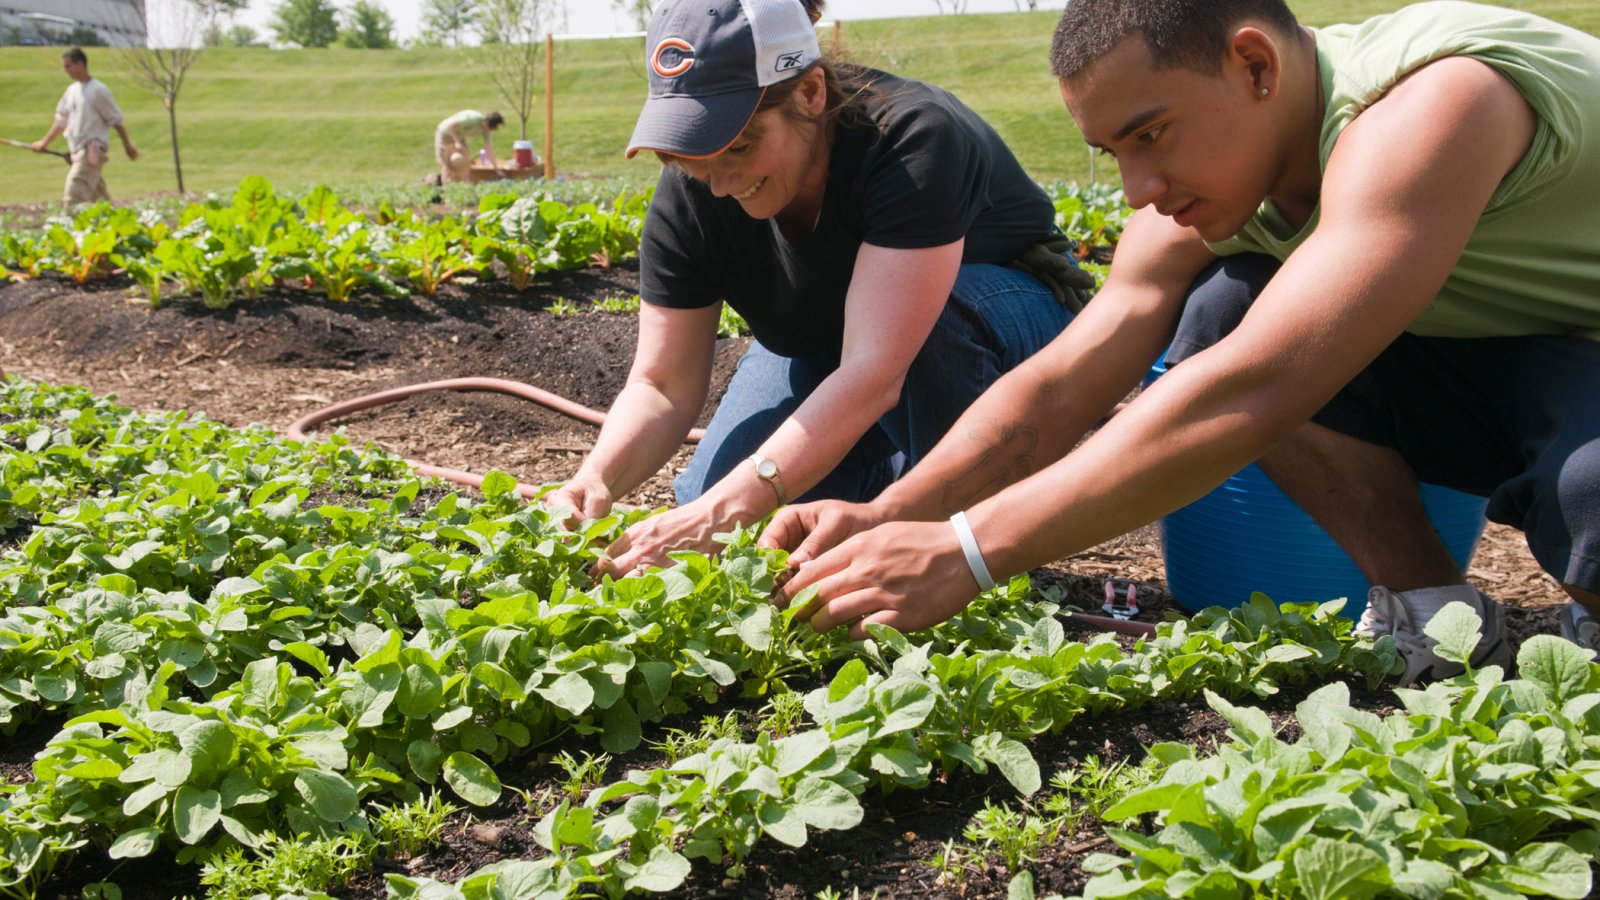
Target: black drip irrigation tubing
x=298, y=431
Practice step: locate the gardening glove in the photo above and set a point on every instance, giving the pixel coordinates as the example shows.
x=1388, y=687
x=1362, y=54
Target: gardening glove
x=1051, y=263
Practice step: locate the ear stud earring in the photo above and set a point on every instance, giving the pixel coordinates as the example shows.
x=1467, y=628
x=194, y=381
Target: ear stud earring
x=1265, y=91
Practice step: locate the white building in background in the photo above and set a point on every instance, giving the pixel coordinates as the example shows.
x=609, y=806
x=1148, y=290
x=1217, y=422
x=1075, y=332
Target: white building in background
x=117, y=23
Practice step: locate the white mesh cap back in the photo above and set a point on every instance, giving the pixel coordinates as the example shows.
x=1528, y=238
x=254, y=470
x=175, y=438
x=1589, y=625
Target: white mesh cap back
x=786, y=41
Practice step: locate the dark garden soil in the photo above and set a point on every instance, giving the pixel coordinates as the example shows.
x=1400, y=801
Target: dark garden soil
x=275, y=359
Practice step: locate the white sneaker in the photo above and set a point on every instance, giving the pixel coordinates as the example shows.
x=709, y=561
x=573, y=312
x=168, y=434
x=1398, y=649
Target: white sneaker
x=1579, y=626
x=1391, y=612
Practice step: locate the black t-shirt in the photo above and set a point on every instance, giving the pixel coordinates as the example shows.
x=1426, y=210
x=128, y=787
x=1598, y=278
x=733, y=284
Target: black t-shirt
x=922, y=172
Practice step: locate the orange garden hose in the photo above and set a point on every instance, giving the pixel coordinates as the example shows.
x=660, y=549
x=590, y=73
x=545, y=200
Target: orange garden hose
x=556, y=402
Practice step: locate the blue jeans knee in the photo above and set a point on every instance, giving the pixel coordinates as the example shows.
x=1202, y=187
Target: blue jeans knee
x=1218, y=301
x=996, y=317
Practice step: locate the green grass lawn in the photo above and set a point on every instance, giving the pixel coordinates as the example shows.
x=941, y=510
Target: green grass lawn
x=353, y=117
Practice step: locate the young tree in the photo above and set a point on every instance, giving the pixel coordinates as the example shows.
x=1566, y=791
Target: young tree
x=220, y=31
x=513, y=41
x=638, y=10
x=179, y=23
x=446, y=22
x=222, y=9
x=952, y=6
x=244, y=36
x=306, y=23
x=368, y=26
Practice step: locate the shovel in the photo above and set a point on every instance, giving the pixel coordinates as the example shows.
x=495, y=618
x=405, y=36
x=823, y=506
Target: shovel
x=65, y=157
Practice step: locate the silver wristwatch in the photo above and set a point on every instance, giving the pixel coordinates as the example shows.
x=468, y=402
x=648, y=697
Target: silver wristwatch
x=767, y=470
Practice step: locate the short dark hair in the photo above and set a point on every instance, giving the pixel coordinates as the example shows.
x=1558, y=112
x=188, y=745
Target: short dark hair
x=494, y=119
x=77, y=55
x=1181, y=34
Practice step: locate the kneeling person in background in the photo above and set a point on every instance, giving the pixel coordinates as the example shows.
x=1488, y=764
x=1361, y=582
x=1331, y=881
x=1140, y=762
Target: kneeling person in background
x=450, y=142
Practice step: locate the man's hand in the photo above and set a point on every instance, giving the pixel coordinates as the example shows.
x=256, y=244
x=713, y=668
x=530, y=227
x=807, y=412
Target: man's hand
x=811, y=529
x=907, y=575
x=132, y=153
x=38, y=146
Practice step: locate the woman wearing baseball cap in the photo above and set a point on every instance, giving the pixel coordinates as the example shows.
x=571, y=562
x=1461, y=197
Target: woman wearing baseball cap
x=864, y=225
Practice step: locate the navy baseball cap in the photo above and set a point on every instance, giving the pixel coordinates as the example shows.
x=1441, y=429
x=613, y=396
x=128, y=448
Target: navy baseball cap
x=709, y=62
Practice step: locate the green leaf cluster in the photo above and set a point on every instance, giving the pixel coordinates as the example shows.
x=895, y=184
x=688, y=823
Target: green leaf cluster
x=251, y=670
x=1481, y=788
x=227, y=251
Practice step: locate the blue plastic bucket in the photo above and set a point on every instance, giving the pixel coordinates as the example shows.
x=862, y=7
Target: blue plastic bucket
x=1247, y=536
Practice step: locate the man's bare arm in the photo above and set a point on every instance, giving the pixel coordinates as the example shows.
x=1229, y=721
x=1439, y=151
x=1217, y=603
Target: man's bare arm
x=127, y=143
x=1035, y=414
x=55, y=131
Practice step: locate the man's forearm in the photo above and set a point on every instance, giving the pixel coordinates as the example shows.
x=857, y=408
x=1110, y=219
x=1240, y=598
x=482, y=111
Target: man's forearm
x=1027, y=420
x=122, y=132
x=1036, y=413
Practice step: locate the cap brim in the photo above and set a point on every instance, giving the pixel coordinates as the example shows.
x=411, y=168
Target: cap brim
x=693, y=127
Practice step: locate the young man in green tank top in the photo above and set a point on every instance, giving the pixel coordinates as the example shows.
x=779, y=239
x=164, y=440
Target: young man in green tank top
x=1378, y=249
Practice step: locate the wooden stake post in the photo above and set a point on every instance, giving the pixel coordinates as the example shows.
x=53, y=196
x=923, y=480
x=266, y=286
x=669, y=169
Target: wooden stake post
x=549, y=106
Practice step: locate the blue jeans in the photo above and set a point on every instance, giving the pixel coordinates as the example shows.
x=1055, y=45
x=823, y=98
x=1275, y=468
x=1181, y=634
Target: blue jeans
x=996, y=317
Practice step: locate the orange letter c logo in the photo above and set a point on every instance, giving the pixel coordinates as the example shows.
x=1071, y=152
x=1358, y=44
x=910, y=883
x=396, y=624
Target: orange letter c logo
x=672, y=47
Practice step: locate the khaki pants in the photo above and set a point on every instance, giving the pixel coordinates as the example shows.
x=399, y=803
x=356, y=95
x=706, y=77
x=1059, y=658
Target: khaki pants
x=444, y=147
x=84, y=181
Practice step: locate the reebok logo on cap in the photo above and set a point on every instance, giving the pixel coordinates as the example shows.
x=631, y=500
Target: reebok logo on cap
x=673, y=56
x=793, y=60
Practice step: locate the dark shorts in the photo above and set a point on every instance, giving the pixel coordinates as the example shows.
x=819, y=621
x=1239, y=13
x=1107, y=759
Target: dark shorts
x=1515, y=419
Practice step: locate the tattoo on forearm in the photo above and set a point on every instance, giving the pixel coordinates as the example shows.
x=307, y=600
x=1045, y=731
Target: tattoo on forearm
x=1007, y=458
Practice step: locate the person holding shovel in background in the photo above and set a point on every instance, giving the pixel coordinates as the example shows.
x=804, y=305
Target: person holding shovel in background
x=450, y=142
x=1378, y=247
x=864, y=225
x=86, y=114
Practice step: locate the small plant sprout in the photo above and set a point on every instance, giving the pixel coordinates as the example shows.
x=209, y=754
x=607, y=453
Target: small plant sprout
x=287, y=866
x=1016, y=836
x=1098, y=786
x=618, y=303
x=677, y=744
x=413, y=827
x=537, y=801
x=951, y=863
x=581, y=775
x=784, y=715
x=833, y=893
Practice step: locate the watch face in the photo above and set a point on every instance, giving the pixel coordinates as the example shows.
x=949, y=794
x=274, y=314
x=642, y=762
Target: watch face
x=766, y=468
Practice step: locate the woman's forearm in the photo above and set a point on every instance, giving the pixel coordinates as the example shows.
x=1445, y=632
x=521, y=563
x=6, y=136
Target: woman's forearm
x=643, y=428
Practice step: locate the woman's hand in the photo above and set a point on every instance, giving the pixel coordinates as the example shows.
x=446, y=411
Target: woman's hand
x=587, y=498
x=647, y=543
x=811, y=529
x=907, y=575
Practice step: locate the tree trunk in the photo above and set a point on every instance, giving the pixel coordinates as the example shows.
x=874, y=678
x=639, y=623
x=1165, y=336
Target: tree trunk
x=177, y=162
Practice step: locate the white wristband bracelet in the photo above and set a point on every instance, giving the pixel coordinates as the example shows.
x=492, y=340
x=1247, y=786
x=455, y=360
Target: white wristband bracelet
x=969, y=546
